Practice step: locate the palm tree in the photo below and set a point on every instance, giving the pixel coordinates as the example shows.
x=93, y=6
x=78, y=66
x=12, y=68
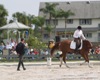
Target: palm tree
x=30, y=19
x=66, y=15
x=48, y=9
x=39, y=21
x=55, y=14
x=18, y=15
x=3, y=19
x=49, y=29
x=3, y=15
x=23, y=18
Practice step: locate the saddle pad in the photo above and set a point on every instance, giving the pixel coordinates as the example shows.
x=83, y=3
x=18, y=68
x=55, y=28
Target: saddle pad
x=73, y=45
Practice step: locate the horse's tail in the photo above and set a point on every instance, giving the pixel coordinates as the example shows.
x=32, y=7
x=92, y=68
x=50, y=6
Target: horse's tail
x=55, y=47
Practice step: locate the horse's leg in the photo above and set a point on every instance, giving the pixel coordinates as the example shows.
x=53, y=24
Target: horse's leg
x=84, y=59
x=60, y=60
x=87, y=60
x=64, y=59
x=85, y=56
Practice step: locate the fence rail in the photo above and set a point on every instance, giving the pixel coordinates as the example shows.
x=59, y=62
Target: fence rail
x=79, y=57
x=42, y=56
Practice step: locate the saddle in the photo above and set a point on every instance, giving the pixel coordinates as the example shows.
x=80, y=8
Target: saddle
x=73, y=45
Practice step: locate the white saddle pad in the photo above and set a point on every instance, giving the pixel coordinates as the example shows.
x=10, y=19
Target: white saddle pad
x=73, y=45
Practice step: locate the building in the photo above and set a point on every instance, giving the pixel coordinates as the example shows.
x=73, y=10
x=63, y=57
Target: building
x=87, y=15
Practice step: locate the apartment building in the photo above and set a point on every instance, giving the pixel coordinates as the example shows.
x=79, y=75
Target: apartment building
x=87, y=15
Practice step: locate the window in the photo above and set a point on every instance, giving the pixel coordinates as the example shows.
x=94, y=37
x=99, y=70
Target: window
x=53, y=22
x=63, y=36
x=47, y=22
x=98, y=34
x=88, y=35
x=85, y=21
x=70, y=21
x=46, y=36
x=99, y=26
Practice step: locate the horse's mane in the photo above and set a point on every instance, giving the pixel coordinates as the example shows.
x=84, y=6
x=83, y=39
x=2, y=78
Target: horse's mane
x=87, y=43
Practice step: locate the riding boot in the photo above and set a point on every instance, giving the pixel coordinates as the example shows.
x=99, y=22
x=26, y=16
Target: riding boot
x=76, y=40
x=76, y=49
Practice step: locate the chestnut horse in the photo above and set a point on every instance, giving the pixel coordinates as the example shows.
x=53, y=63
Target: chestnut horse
x=64, y=46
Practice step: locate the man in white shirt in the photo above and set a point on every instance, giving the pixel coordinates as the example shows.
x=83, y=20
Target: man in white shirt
x=78, y=35
x=12, y=43
x=8, y=46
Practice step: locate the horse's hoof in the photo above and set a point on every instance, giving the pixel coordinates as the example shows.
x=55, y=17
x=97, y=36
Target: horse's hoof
x=90, y=67
x=59, y=65
x=81, y=64
x=67, y=66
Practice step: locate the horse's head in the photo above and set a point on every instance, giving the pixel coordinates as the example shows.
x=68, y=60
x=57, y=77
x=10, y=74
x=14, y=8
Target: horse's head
x=87, y=44
x=55, y=47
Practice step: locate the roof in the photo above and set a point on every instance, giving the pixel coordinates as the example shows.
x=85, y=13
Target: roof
x=14, y=25
x=81, y=9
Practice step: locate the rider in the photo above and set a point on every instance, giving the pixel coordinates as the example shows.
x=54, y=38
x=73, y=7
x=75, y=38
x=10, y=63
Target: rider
x=78, y=35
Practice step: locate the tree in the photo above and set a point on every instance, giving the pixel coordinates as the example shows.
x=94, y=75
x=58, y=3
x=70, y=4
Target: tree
x=66, y=15
x=11, y=21
x=55, y=14
x=49, y=29
x=3, y=20
x=3, y=16
x=30, y=19
x=36, y=43
x=23, y=18
x=48, y=9
x=39, y=21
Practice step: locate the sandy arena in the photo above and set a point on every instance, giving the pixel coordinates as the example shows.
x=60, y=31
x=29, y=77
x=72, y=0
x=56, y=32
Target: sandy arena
x=40, y=71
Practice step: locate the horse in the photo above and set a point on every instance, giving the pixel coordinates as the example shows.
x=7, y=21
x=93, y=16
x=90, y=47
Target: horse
x=64, y=46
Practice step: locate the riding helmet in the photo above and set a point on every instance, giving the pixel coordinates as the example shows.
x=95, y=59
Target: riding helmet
x=79, y=27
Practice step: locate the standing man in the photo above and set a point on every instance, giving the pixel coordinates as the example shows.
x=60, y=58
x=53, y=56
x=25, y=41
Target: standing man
x=20, y=50
x=78, y=35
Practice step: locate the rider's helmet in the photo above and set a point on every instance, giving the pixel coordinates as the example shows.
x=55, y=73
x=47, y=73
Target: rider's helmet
x=79, y=28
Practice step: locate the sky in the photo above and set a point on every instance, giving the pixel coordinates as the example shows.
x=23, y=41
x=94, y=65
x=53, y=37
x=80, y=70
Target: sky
x=27, y=6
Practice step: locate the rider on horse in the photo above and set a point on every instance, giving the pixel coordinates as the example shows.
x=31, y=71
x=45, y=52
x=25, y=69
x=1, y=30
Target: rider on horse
x=78, y=35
